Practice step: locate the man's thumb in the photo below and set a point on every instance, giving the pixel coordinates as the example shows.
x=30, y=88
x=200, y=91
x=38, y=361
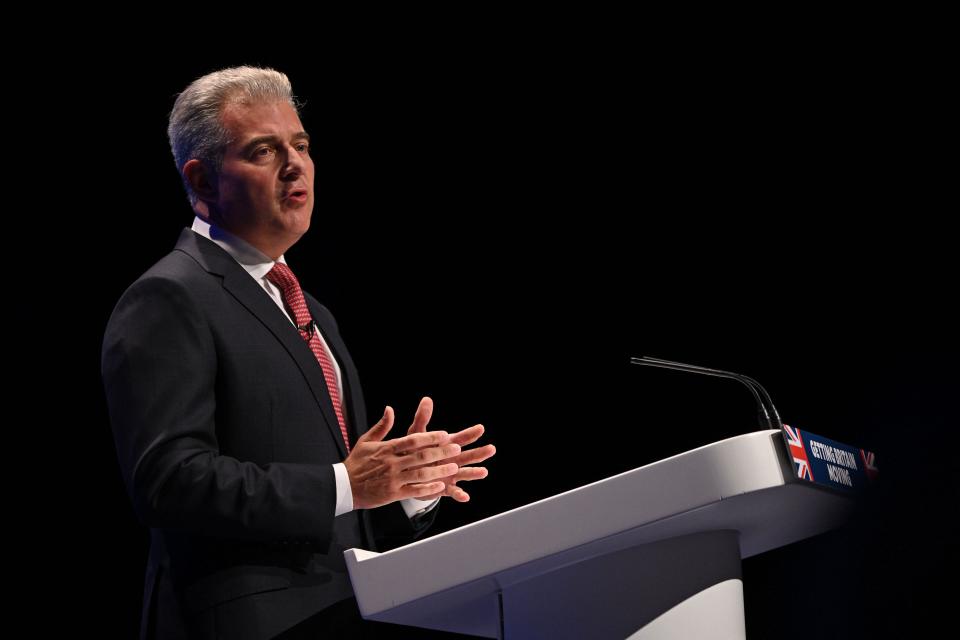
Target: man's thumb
x=379, y=431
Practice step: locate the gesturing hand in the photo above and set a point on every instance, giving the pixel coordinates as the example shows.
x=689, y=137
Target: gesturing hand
x=408, y=467
x=461, y=438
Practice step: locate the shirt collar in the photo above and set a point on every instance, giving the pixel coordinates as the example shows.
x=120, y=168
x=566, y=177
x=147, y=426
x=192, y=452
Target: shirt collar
x=254, y=261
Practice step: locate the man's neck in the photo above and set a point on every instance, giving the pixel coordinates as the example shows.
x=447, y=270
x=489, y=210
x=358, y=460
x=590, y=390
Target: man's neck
x=270, y=250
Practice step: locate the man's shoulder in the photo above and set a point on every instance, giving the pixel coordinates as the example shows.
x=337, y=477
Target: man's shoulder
x=187, y=262
x=179, y=274
x=175, y=270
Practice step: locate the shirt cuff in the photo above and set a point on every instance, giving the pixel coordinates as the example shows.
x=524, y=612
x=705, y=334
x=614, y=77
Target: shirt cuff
x=416, y=506
x=344, y=492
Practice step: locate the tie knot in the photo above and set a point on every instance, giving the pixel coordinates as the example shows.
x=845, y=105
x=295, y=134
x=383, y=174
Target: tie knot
x=283, y=277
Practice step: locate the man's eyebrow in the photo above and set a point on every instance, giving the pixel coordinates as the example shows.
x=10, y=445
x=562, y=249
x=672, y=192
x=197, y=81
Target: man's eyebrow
x=301, y=135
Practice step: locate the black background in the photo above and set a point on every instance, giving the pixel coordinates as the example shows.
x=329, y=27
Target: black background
x=500, y=223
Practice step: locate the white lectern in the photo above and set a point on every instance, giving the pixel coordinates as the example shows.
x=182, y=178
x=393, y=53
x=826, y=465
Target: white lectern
x=650, y=553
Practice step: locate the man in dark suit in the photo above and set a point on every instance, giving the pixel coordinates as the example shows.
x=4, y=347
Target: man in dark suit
x=237, y=411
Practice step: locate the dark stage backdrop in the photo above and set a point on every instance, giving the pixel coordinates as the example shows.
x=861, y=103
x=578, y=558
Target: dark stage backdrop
x=504, y=232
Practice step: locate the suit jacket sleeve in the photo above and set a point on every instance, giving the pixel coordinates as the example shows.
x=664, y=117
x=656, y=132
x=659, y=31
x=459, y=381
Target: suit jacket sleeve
x=159, y=366
x=393, y=528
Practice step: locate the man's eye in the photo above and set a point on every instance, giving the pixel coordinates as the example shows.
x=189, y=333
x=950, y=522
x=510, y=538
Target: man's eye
x=303, y=147
x=262, y=152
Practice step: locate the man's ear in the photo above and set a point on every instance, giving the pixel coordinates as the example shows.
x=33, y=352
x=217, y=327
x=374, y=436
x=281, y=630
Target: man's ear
x=200, y=179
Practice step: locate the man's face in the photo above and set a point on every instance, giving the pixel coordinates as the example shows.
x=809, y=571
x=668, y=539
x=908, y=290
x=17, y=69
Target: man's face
x=265, y=187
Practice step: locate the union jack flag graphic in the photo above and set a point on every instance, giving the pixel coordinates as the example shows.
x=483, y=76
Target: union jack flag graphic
x=804, y=472
x=870, y=464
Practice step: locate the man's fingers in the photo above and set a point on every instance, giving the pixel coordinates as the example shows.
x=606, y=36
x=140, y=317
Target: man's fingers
x=422, y=417
x=415, y=441
x=476, y=455
x=449, y=487
x=471, y=473
x=468, y=435
x=424, y=490
x=379, y=431
x=451, y=452
x=428, y=473
x=431, y=455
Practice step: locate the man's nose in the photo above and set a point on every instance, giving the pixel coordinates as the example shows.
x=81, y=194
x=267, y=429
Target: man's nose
x=294, y=164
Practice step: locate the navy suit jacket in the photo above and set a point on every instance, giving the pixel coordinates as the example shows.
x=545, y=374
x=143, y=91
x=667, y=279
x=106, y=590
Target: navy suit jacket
x=226, y=437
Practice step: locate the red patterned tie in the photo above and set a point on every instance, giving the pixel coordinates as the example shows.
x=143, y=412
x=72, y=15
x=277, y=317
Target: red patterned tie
x=283, y=277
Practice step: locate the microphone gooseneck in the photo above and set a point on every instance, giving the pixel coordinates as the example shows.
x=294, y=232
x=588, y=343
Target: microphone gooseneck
x=766, y=411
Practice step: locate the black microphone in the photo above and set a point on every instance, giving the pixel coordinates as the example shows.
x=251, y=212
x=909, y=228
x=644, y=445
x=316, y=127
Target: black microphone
x=308, y=328
x=766, y=412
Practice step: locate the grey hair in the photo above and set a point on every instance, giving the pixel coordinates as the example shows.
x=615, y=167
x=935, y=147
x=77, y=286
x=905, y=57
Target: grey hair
x=196, y=129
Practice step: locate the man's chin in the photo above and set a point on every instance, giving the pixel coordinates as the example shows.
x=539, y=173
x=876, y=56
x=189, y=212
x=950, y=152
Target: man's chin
x=297, y=228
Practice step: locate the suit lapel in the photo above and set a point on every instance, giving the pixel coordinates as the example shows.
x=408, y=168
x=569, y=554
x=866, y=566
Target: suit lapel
x=252, y=296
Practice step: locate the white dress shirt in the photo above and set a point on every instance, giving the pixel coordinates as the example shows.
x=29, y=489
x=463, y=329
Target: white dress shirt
x=258, y=265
